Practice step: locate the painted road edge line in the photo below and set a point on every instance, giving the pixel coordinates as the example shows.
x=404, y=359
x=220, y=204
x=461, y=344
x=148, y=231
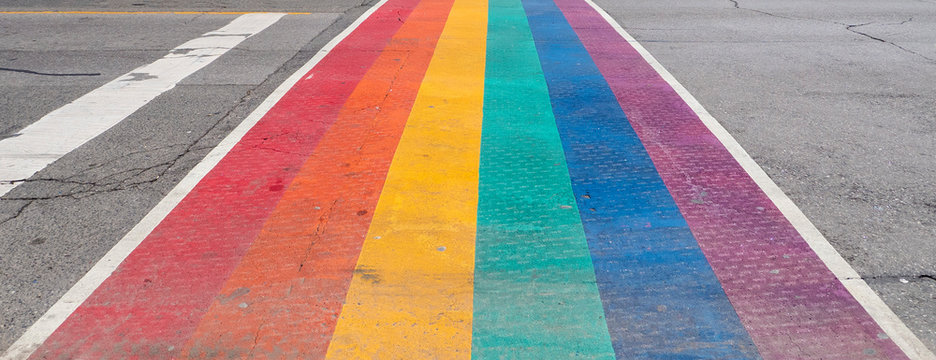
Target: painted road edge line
x=869, y=300
x=76, y=295
x=65, y=129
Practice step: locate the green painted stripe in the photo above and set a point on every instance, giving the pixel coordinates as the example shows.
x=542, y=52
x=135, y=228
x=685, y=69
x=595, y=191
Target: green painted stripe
x=535, y=294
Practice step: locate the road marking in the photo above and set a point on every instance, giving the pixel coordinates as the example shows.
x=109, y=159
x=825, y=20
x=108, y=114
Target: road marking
x=530, y=248
x=68, y=127
x=149, y=12
x=661, y=297
x=309, y=246
x=411, y=294
x=65, y=306
x=894, y=328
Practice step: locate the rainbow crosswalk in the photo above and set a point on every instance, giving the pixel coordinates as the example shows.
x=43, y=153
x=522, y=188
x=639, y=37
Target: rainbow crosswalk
x=475, y=179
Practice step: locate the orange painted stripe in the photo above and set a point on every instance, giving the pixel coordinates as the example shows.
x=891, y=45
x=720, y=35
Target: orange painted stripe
x=284, y=297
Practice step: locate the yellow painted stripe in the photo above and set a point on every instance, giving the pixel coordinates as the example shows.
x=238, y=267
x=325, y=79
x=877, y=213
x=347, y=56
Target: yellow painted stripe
x=152, y=12
x=411, y=294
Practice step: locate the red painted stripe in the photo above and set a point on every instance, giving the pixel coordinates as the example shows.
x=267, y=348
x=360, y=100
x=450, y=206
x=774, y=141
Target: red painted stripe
x=151, y=305
x=791, y=304
x=284, y=298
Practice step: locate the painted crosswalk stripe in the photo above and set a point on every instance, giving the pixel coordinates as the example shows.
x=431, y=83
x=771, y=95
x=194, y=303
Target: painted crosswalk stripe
x=661, y=298
x=411, y=295
x=535, y=291
x=66, y=128
x=308, y=248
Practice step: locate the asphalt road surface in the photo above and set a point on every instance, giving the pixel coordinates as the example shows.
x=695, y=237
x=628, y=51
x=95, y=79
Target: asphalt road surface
x=835, y=100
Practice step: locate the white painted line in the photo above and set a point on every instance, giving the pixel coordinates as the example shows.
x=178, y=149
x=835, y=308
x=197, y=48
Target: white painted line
x=61, y=310
x=65, y=129
x=879, y=311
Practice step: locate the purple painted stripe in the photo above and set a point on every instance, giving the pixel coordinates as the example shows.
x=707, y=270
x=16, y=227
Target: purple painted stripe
x=791, y=304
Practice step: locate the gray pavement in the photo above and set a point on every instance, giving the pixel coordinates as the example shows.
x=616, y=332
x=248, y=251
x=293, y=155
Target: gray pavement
x=55, y=226
x=836, y=101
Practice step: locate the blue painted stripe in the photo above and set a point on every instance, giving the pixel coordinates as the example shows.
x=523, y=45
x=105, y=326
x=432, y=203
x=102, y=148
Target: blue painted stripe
x=660, y=296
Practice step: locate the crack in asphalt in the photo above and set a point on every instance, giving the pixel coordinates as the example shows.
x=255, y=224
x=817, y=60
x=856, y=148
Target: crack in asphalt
x=738, y=6
x=256, y=340
x=320, y=229
x=901, y=278
x=100, y=182
x=17, y=214
x=83, y=189
x=848, y=27
x=25, y=71
x=851, y=28
x=95, y=187
x=900, y=23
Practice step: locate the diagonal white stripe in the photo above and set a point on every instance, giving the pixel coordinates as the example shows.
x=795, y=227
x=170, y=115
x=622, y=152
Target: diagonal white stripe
x=66, y=128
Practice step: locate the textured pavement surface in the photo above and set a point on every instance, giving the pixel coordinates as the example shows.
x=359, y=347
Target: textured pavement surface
x=376, y=206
